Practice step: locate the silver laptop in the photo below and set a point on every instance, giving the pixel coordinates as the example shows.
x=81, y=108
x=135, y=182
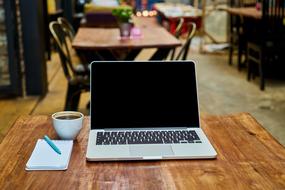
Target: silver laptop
x=145, y=111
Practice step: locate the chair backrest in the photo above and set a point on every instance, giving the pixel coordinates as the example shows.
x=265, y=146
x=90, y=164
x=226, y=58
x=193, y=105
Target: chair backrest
x=274, y=9
x=242, y=3
x=247, y=3
x=62, y=48
x=273, y=17
x=185, y=48
x=234, y=3
x=177, y=34
x=179, y=28
x=67, y=27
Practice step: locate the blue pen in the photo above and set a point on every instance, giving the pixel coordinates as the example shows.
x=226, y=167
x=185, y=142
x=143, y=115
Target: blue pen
x=52, y=145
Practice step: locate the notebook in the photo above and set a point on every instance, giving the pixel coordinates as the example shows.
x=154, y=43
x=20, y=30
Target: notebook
x=45, y=158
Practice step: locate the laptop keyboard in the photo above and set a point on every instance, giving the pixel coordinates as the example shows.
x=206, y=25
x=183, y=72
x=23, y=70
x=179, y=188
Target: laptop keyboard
x=147, y=137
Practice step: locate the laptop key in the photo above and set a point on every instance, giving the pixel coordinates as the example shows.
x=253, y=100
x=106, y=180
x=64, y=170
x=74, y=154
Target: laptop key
x=99, y=134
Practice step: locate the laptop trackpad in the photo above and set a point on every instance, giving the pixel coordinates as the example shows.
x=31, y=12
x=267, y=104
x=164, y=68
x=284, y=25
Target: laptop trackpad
x=151, y=150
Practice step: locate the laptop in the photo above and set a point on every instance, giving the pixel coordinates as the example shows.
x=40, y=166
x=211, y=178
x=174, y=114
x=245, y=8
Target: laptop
x=145, y=111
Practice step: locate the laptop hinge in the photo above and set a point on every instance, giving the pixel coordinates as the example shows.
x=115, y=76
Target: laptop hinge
x=152, y=157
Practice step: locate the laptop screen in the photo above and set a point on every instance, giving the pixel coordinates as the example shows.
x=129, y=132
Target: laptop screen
x=143, y=94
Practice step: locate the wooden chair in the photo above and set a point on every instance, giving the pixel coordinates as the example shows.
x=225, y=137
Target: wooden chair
x=177, y=35
x=237, y=36
x=67, y=27
x=82, y=67
x=77, y=82
x=70, y=34
x=247, y=3
x=264, y=47
x=49, y=17
x=182, y=55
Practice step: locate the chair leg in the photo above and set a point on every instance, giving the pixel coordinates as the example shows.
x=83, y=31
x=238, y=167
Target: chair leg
x=72, y=98
x=75, y=100
x=249, y=64
x=68, y=99
x=231, y=53
x=239, y=54
x=231, y=41
x=172, y=54
x=259, y=59
x=249, y=70
x=261, y=73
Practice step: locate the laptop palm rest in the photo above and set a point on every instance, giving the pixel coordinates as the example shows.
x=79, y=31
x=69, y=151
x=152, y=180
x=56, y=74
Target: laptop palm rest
x=151, y=151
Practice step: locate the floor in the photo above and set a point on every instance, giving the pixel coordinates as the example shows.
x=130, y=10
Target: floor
x=225, y=90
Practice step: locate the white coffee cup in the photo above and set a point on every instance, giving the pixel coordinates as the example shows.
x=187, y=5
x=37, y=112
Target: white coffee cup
x=67, y=124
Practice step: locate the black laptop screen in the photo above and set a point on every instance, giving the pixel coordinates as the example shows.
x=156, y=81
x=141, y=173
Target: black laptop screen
x=143, y=94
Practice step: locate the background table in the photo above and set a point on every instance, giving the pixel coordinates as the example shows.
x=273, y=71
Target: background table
x=103, y=40
x=244, y=11
x=248, y=158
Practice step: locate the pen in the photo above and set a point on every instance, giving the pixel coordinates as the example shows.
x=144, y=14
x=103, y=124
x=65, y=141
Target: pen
x=52, y=145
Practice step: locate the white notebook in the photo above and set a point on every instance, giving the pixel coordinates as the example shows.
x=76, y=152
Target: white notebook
x=45, y=158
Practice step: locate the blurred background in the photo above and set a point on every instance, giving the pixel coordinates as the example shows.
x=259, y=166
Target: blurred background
x=237, y=46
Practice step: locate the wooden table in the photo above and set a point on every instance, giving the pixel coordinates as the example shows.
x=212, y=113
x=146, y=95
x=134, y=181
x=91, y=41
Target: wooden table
x=248, y=158
x=102, y=39
x=250, y=12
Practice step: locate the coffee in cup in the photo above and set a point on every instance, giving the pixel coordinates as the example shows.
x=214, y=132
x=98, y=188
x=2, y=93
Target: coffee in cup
x=67, y=124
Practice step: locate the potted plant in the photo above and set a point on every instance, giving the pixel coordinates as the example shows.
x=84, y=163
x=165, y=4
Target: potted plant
x=124, y=18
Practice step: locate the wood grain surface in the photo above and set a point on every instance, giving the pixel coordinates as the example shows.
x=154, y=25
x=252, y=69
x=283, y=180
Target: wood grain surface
x=248, y=158
x=109, y=38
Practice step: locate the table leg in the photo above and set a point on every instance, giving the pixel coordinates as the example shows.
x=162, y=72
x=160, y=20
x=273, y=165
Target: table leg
x=132, y=54
x=87, y=56
x=106, y=55
x=160, y=54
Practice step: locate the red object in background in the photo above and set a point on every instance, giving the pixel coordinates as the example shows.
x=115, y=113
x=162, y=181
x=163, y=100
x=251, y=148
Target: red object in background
x=174, y=21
